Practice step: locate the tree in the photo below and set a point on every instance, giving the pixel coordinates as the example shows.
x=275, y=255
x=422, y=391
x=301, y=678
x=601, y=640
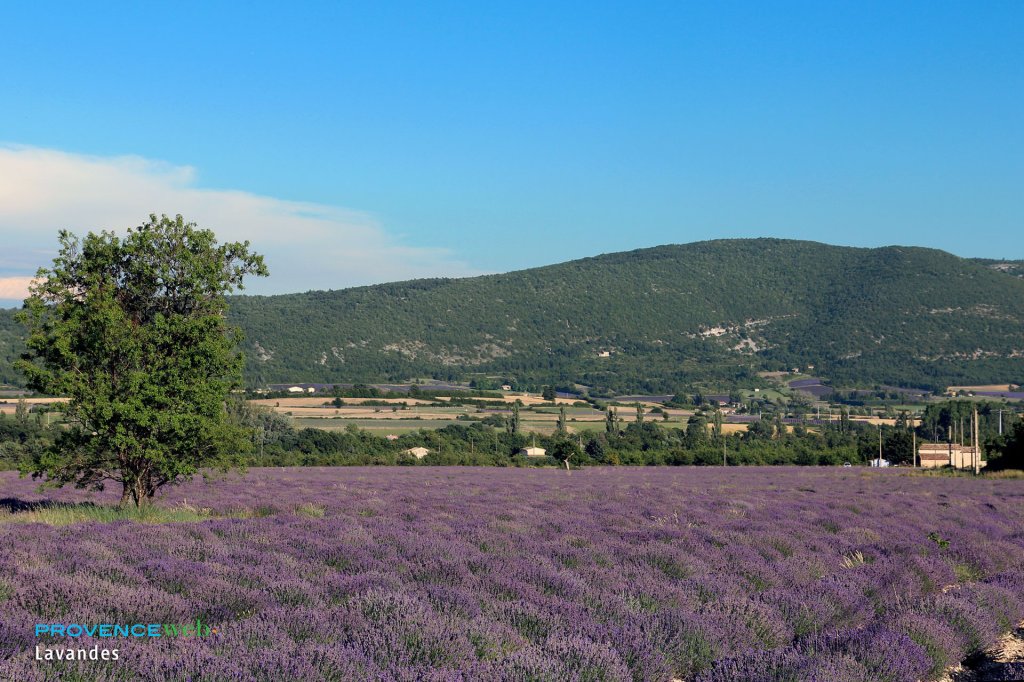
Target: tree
x=610, y=422
x=549, y=393
x=760, y=429
x=560, y=426
x=696, y=431
x=21, y=412
x=512, y=421
x=133, y=331
x=1011, y=453
x=780, y=426
x=595, y=448
x=898, y=447
x=565, y=449
x=266, y=427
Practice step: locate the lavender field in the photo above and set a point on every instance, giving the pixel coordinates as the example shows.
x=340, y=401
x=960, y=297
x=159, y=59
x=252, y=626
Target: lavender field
x=506, y=574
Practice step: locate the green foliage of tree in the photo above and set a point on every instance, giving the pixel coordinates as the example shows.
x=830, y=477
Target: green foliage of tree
x=21, y=437
x=611, y=424
x=565, y=450
x=595, y=448
x=1010, y=453
x=133, y=331
x=21, y=412
x=696, y=431
x=513, y=420
x=950, y=421
x=897, y=447
x=717, y=424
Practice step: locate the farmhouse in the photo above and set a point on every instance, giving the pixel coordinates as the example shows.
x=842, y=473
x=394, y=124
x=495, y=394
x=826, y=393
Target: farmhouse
x=417, y=452
x=533, y=452
x=934, y=455
x=962, y=457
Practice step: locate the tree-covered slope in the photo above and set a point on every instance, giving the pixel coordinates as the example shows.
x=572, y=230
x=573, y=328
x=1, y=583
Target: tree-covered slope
x=709, y=313
x=670, y=316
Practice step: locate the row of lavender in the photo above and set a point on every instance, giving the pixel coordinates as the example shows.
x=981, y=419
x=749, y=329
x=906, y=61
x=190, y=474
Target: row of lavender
x=463, y=574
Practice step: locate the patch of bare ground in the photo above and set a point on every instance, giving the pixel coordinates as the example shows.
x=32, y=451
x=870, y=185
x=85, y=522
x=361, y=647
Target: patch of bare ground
x=1003, y=662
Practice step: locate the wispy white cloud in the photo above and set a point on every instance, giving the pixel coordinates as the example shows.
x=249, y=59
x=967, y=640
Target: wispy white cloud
x=307, y=245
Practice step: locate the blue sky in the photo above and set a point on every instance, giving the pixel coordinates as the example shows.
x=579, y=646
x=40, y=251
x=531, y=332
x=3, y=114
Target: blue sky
x=357, y=143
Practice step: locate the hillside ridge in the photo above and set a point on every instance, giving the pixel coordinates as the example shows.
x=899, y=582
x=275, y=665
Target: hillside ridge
x=660, y=319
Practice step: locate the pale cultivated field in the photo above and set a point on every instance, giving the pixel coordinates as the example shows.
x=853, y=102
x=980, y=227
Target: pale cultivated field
x=986, y=387
x=320, y=400
x=525, y=399
x=882, y=420
x=11, y=405
x=369, y=413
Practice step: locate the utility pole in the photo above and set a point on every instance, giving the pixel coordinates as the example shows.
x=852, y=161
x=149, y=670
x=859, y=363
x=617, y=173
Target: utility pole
x=879, y=445
x=977, y=446
x=724, y=451
x=913, y=449
x=1000, y=422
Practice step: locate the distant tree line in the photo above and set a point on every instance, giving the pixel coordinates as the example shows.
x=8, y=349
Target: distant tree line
x=628, y=437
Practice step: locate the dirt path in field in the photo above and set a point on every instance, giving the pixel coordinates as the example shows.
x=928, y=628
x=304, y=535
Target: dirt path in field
x=1003, y=662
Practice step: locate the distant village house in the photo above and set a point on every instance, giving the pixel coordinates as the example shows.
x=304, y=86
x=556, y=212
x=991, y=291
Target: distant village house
x=533, y=452
x=935, y=455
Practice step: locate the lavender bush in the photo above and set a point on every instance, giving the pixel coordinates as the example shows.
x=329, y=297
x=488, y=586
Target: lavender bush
x=494, y=574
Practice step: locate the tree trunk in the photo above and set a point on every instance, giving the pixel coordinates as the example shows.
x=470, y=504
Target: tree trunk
x=138, y=492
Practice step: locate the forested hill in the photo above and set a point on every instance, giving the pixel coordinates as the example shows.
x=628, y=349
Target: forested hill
x=703, y=314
